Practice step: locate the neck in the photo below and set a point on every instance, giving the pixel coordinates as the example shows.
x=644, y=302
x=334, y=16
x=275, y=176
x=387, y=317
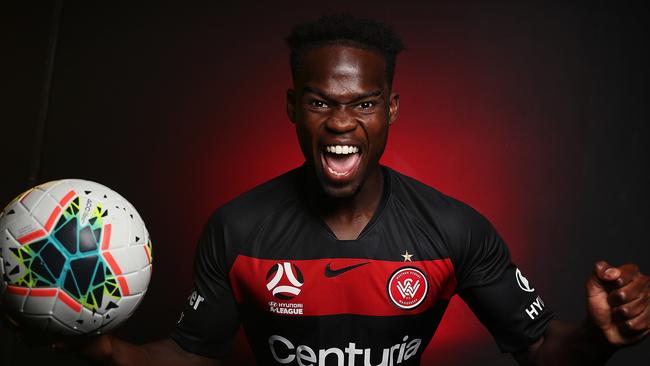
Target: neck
x=347, y=217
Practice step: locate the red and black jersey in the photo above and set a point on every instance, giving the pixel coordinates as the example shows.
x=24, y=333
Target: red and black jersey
x=268, y=260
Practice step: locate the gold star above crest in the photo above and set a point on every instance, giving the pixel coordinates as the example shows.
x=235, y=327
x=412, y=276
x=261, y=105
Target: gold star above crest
x=407, y=256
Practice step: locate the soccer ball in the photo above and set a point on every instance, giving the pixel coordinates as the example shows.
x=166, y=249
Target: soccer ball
x=75, y=258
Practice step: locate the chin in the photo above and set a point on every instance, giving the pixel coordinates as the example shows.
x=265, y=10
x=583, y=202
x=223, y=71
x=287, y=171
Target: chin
x=340, y=191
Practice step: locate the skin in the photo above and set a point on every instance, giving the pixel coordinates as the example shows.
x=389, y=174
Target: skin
x=326, y=107
x=341, y=96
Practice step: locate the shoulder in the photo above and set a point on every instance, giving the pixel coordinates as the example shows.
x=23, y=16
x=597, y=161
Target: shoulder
x=446, y=214
x=250, y=208
x=474, y=246
x=233, y=224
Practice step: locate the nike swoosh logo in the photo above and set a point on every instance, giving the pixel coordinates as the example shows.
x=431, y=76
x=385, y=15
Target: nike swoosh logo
x=329, y=272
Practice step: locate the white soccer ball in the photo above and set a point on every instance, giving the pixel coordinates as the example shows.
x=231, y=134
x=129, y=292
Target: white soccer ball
x=75, y=258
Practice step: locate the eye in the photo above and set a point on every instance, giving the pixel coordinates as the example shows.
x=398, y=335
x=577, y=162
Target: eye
x=367, y=105
x=318, y=103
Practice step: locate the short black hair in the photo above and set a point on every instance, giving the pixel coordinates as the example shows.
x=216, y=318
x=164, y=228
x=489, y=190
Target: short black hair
x=348, y=30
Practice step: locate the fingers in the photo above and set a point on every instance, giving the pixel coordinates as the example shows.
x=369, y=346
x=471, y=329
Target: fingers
x=595, y=286
x=630, y=300
x=637, y=325
x=606, y=273
x=611, y=277
x=637, y=288
x=633, y=308
x=628, y=273
x=97, y=348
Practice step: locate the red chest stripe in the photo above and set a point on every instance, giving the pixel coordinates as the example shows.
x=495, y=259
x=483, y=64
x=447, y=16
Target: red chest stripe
x=336, y=286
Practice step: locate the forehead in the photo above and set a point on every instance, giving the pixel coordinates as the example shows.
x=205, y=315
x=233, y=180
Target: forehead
x=336, y=66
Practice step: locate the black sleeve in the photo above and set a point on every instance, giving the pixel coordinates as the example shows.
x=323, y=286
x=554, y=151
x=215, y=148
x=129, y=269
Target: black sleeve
x=494, y=288
x=210, y=318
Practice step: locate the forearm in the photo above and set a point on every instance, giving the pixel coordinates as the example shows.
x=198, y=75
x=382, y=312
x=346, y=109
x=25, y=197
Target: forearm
x=568, y=344
x=116, y=352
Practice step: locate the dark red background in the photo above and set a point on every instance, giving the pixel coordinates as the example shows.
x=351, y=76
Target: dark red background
x=534, y=114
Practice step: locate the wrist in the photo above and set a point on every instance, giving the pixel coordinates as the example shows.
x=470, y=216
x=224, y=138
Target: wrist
x=596, y=336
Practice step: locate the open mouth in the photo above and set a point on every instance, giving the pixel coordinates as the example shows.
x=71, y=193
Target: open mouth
x=340, y=162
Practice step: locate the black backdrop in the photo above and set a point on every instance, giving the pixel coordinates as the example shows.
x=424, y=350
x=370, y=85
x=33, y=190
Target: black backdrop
x=535, y=114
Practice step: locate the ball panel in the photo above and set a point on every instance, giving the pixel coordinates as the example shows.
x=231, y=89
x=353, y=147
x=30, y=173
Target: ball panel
x=46, y=211
x=131, y=259
x=88, y=322
x=128, y=304
x=123, y=311
x=58, y=191
x=25, y=230
x=37, y=323
x=32, y=198
x=138, y=281
x=120, y=235
x=138, y=234
x=12, y=212
x=66, y=309
x=111, y=294
x=14, y=298
x=48, y=186
x=40, y=302
x=56, y=326
x=7, y=241
x=15, y=257
x=93, y=190
x=112, y=323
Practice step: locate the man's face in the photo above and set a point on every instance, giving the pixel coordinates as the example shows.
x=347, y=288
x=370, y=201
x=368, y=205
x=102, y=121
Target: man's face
x=342, y=106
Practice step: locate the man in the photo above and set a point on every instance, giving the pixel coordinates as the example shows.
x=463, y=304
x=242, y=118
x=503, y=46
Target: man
x=342, y=261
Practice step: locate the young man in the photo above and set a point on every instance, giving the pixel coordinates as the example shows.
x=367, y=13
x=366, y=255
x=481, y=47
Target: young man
x=342, y=261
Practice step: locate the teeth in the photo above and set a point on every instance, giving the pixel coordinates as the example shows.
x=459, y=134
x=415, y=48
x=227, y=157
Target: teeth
x=341, y=149
x=337, y=173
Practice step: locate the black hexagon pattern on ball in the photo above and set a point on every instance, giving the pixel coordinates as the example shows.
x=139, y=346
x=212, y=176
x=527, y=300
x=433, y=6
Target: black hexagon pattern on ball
x=87, y=241
x=82, y=269
x=39, y=267
x=99, y=276
x=99, y=294
x=70, y=285
x=67, y=235
x=54, y=259
x=37, y=246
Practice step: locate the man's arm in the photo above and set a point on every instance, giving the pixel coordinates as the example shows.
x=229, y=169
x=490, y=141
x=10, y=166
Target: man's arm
x=618, y=308
x=113, y=351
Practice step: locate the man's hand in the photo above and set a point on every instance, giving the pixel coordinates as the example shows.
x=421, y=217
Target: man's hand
x=618, y=302
x=112, y=351
x=98, y=349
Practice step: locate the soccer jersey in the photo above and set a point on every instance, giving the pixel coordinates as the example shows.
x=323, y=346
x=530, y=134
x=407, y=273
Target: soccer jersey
x=269, y=261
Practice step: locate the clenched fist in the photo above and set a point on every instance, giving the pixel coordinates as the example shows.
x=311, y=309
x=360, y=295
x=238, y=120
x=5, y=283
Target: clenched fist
x=618, y=302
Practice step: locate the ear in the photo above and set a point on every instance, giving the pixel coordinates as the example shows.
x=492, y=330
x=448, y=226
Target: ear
x=393, y=108
x=291, y=105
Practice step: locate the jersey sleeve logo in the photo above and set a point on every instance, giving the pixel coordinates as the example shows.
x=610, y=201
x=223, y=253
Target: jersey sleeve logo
x=285, y=280
x=407, y=288
x=523, y=282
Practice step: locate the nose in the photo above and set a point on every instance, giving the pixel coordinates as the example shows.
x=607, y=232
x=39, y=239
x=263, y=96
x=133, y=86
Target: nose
x=340, y=121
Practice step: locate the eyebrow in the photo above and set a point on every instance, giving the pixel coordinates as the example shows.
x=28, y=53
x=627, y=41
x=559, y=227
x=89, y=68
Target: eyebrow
x=331, y=100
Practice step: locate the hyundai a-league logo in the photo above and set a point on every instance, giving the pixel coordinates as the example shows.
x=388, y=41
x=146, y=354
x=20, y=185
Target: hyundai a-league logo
x=284, y=280
x=407, y=288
